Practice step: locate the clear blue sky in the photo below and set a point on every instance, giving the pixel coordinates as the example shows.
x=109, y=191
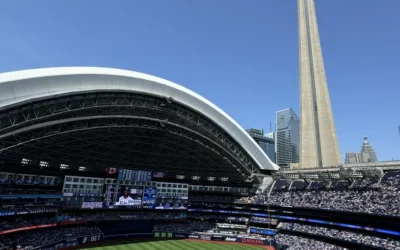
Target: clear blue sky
x=241, y=55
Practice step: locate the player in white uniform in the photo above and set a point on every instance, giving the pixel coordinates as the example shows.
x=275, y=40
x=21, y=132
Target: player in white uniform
x=125, y=199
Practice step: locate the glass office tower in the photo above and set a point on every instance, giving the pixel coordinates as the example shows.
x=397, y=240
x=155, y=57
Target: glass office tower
x=267, y=144
x=287, y=137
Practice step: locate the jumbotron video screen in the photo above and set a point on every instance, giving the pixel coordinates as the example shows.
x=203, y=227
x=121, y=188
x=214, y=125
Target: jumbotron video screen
x=123, y=196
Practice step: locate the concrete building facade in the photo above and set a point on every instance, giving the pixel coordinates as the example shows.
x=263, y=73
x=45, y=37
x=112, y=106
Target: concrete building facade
x=366, y=155
x=353, y=158
x=318, y=140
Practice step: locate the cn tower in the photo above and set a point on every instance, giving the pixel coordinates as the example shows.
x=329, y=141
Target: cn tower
x=318, y=140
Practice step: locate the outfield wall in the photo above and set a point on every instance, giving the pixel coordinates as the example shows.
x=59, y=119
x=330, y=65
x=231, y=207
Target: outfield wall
x=71, y=242
x=213, y=237
x=78, y=242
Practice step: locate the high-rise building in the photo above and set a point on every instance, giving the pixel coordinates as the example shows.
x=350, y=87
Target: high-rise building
x=368, y=150
x=270, y=135
x=266, y=143
x=352, y=158
x=287, y=137
x=366, y=155
x=318, y=140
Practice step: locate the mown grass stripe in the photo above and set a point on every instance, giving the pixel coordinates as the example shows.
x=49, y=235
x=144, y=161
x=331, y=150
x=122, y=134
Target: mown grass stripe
x=178, y=245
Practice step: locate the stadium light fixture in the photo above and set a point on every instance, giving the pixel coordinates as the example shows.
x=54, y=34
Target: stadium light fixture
x=210, y=178
x=64, y=166
x=82, y=168
x=195, y=178
x=224, y=179
x=25, y=161
x=44, y=164
x=180, y=177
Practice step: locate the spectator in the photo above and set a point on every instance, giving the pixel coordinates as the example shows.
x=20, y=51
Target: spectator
x=292, y=242
x=351, y=236
x=36, y=238
x=361, y=196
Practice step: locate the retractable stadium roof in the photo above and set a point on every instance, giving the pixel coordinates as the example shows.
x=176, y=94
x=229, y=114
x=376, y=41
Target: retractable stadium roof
x=102, y=117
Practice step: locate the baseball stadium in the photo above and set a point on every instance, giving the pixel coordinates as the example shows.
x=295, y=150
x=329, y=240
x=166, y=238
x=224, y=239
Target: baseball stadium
x=100, y=158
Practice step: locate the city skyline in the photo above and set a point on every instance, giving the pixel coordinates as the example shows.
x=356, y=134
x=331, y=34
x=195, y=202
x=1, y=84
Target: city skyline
x=244, y=60
x=346, y=154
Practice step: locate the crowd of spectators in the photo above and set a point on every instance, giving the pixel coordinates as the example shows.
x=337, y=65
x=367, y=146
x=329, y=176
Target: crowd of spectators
x=220, y=217
x=346, y=235
x=11, y=210
x=263, y=220
x=231, y=226
x=23, y=221
x=241, y=200
x=75, y=205
x=36, y=238
x=28, y=202
x=17, y=222
x=292, y=242
x=189, y=227
x=237, y=219
x=30, y=190
x=258, y=199
x=212, y=198
x=375, y=196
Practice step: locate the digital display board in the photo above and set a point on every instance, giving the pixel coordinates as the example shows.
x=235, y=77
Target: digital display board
x=129, y=196
x=123, y=196
x=149, y=197
x=133, y=175
x=255, y=230
x=158, y=175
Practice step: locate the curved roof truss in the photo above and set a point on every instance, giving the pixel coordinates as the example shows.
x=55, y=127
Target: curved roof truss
x=44, y=105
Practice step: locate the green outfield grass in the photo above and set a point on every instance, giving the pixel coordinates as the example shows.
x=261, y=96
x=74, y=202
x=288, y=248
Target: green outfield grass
x=177, y=245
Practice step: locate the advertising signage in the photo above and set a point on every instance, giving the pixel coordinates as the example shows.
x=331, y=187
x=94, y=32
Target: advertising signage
x=253, y=241
x=71, y=242
x=216, y=237
x=263, y=231
x=247, y=240
x=391, y=232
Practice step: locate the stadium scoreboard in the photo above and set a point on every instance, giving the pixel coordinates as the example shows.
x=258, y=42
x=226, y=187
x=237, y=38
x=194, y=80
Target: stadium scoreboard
x=133, y=175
